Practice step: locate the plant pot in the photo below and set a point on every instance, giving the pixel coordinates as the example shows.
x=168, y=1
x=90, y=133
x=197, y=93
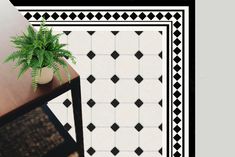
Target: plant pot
x=45, y=76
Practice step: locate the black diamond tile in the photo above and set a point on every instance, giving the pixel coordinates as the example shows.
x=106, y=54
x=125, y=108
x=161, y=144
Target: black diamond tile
x=177, y=76
x=160, y=32
x=115, y=79
x=151, y=16
x=177, y=24
x=67, y=103
x=139, y=151
x=160, y=78
x=177, y=128
x=177, y=111
x=138, y=79
x=177, y=33
x=177, y=41
x=160, y=151
x=115, y=127
x=177, y=94
x=115, y=55
x=90, y=16
x=139, y=103
x=91, y=79
x=177, y=154
x=67, y=32
x=160, y=127
x=159, y=16
x=114, y=32
x=142, y=16
x=55, y=16
x=67, y=127
x=138, y=55
x=115, y=102
x=177, y=59
x=91, y=55
x=91, y=32
x=72, y=16
x=177, y=85
x=133, y=16
x=177, y=146
x=107, y=16
x=160, y=54
x=81, y=16
x=139, y=127
x=177, y=16
x=91, y=127
x=115, y=151
x=160, y=103
x=91, y=151
x=177, y=50
x=177, y=68
x=36, y=15
x=177, y=120
x=177, y=102
x=168, y=16
x=138, y=32
x=99, y=16
x=125, y=16
x=177, y=137
x=116, y=16
x=64, y=16
x=27, y=15
x=46, y=16
x=91, y=103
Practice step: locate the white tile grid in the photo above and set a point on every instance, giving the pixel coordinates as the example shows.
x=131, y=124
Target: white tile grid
x=102, y=139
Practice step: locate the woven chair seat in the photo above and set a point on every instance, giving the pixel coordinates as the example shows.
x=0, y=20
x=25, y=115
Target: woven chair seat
x=31, y=135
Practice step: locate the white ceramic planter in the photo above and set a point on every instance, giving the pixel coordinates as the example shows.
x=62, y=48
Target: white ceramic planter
x=45, y=76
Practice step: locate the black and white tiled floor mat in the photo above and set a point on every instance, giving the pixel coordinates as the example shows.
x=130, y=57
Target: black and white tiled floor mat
x=121, y=92
x=134, y=68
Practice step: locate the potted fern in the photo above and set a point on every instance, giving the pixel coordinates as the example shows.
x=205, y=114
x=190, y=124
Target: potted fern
x=41, y=52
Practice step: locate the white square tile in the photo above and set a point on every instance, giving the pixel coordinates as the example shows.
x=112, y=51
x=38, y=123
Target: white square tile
x=103, y=91
x=103, y=42
x=70, y=115
x=85, y=90
x=127, y=139
x=151, y=154
x=103, y=115
x=150, y=90
x=83, y=66
x=150, y=139
x=86, y=138
x=151, y=115
x=79, y=42
x=127, y=66
x=127, y=42
x=103, y=139
x=126, y=154
x=151, y=66
x=86, y=114
x=102, y=154
x=60, y=111
x=151, y=42
x=127, y=90
x=103, y=66
x=127, y=114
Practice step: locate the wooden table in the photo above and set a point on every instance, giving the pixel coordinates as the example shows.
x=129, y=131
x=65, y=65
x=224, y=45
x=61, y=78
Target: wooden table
x=17, y=96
